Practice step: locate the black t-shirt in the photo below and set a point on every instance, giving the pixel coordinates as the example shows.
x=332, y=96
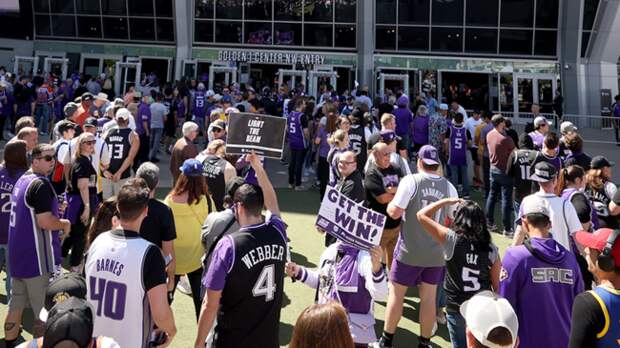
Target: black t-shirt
x=582, y=207
x=588, y=320
x=581, y=159
x=83, y=168
x=40, y=196
x=376, y=181
x=158, y=226
x=352, y=187
x=519, y=167
x=376, y=137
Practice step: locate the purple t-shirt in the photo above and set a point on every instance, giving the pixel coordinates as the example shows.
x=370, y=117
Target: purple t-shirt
x=295, y=132
x=200, y=104
x=537, y=139
x=144, y=115
x=404, y=117
x=6, y=188
x=323, y=145
x=224, y=255
x=541, y=289
x=420, y=129
x=617, y=110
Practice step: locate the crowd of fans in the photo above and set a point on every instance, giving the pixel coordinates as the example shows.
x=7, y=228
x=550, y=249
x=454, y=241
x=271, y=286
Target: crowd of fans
x=88, y=246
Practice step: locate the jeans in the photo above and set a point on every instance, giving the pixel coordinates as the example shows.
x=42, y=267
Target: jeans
x=440, y=297
x=501, y=184
x=322, y=172
x=516, y=207
x=456, y=328
x=455, y=172
x=295, y=166
x=4, y=261
x=42, y=117
x=156, y=134
x=486, y=176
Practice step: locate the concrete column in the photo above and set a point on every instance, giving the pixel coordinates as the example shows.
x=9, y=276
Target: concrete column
x=184, y=22
x=365, y=45
x=570, y=54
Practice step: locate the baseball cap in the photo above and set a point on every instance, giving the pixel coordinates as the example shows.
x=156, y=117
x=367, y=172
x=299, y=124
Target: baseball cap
x=122, y=114
x=567, y=127
x=539, y=121
x=485, y=312
x=233, y=185
x=598, y=241
x=69, y=320
x=102, y=96
x=402, y=101
x=65, y=125
x=90, y=122
x=544, y=172
x=219, y=124
x=70, y=108
x=443, y=106
x=599, y=162
x=62, y=288
x=217, y=97
x=535, y=205
x=192, y=167
x=119, y=101
x=497, y=119
x=429, y=155
x=388, y=136
x=87, y=96
x=226, y=99
x=210, y=93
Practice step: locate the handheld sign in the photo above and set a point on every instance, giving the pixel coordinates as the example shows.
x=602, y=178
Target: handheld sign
x=349, y=221
x=261, y=133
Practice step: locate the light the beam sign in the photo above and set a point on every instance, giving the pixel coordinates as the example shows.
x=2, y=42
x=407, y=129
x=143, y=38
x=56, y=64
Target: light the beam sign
x=349, y=221
x=261, y=133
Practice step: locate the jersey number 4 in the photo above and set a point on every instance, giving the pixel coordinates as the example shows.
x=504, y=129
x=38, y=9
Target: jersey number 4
x=265, y=285
x=110, y=295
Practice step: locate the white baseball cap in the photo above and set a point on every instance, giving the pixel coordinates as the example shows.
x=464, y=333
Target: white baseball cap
x=539, y=121
x=122, y=114
x=210, y=93
x=486, y=311
x=567, y=127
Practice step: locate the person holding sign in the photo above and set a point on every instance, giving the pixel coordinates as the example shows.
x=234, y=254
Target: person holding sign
x=298, y=136
x=418, y=258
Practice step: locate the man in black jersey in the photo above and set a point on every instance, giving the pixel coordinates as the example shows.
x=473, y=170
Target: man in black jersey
x=245, y=279
x=357, y=137
x=520, y=164
x=218, y=170
x=123, y=145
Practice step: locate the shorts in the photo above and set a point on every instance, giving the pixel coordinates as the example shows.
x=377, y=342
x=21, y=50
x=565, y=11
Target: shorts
x=407, y=275
x=474, y=155
x=29, y=292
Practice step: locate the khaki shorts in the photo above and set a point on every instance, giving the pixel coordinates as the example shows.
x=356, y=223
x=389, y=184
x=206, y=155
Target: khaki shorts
x=29, y=292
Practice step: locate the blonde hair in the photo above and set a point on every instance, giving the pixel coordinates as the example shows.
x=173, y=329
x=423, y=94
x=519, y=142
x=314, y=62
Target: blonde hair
x=80, y=139
x=338, y=137
x=387, y=118
x=595, y=178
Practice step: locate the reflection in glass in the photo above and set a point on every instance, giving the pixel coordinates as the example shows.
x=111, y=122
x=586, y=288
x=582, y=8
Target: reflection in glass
x=413, y=11
x=515, y=42
x=482, y=12
x=228, y=32
x=63, y=25
x=163, y=8
x=165, y=30
x=506, y=93
x=115, y=28
x=288, y=34
x=517, y=13
x=258, y=9
x=585, y=39
x=547, y=14
x=318, y=11
x=140, y=7
x=448, y=12
x=41, y=6
x=545, y=42
x=42, y=24
x=447, y=39
x=386, y=11
x=346, y=11
x=413, y=38
x=345, y=36
x=142, y=28
x=258, y=33
x=228, y=10
x=62, y=6
x=203, y=31
x=87, y=6
x=204, y=8
x=385, y=38
x=287, y=10
x=113, y=7
x=481, y=40
x=526, y=94
x=318, y=35
x=545, y=95
x=89, y=27
x=589, y=13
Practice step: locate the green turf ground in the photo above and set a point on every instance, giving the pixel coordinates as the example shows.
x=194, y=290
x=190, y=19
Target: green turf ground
x=299, y=211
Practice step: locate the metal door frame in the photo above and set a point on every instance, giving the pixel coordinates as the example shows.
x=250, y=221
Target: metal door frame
x=313, y=76
x=535, y=91
x=34, y=60
x=230, y=74
x=47, y=62
x=293, y=74
x=393, y=77
x=100, y=57
x=119, y=68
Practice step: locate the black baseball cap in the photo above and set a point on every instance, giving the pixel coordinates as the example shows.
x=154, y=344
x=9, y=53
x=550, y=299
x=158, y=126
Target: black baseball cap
x=60, y=289
x=599, y=162
x=544, y=172
x=90, y=122
x=70, y=320
x=233, y=185
x=86, y=96
x=66, y=125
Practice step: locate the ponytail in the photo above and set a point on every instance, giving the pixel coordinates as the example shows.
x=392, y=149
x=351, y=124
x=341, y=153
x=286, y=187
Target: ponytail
x=569, y=175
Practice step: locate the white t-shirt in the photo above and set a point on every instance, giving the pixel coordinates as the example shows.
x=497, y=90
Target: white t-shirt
x=471, y=125
x=564, y=219
x=109, y=125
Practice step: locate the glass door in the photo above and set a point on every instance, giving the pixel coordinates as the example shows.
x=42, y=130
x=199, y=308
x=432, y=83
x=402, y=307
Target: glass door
x=525, y=90
x=534, y=89
x=545, y=95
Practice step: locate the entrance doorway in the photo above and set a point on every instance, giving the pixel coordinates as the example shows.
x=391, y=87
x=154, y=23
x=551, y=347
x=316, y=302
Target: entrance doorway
x=533, y=89
x=396, y=80
x=157, y=67
x=95, y=65
x=25, y=66
x=265, y=75
x=345, y=78
x=129, y=74
x=470, y=90
x=56, y=66
x=220, y=76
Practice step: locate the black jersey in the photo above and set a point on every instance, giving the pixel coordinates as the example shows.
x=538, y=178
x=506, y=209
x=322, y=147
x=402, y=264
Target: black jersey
x=119, y=146
x=357, y=143
x=252, y=296
x=520, y=165
x=214, y=167
x=468, y=270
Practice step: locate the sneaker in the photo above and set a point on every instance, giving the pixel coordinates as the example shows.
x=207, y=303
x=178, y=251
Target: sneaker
x=466, y=197
x=492, y=228
x=183, y=286
x=291, y=186
x=299, y=188
x=508, y=234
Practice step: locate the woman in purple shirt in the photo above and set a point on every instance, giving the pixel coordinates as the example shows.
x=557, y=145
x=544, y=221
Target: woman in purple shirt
x=326, y=128
x=420, y=128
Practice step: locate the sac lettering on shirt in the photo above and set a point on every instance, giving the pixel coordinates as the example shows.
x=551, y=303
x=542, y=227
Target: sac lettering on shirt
x=262, y=253
x=552, y=275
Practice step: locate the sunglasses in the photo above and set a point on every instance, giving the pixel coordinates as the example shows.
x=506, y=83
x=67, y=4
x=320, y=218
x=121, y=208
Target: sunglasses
x=47, y=158
x=217, y=130
x=90, y=142
x=346, y=162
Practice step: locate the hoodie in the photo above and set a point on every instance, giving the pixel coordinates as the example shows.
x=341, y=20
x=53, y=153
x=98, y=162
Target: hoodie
x=541, y=289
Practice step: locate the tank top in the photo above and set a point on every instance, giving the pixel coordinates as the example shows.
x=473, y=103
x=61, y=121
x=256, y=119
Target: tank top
x=609, y=300
x=458, y=146
x=118, y=146
x=295, y=132
x=357, y=143
x=214, y=168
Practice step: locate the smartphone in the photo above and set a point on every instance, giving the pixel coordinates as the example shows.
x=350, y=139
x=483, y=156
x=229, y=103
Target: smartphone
x=157, y=339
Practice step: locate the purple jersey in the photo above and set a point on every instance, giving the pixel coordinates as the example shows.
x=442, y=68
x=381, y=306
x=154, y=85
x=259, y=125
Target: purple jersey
x=458, y=146
x=568, y=195
x=537, y=139
x=332, y=158
x=200, y=104
x=144, y=115
x=32, y=251
x=541, y=286
x=180, y=108
x=404, y=117
x=420, y=129
x=323, y=145
x=295, y=132
x=6, y=187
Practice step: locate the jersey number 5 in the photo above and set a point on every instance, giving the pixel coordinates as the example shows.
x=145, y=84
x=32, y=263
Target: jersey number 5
x=265, y=285
x=470, y=276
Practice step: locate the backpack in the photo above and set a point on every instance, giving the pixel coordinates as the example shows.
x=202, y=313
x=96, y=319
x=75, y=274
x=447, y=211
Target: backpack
x=42, y=96
x=57, y=175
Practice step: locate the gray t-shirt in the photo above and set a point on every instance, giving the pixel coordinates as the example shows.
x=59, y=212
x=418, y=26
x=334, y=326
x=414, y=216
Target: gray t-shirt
x=214, y=225
x=158, y=111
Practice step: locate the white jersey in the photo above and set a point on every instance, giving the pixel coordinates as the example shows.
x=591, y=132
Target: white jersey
x=115, y=289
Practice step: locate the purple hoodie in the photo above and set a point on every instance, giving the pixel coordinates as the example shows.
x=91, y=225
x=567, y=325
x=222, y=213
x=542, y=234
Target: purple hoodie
x=404, y=117
x=420, y=129
x=541, y=289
